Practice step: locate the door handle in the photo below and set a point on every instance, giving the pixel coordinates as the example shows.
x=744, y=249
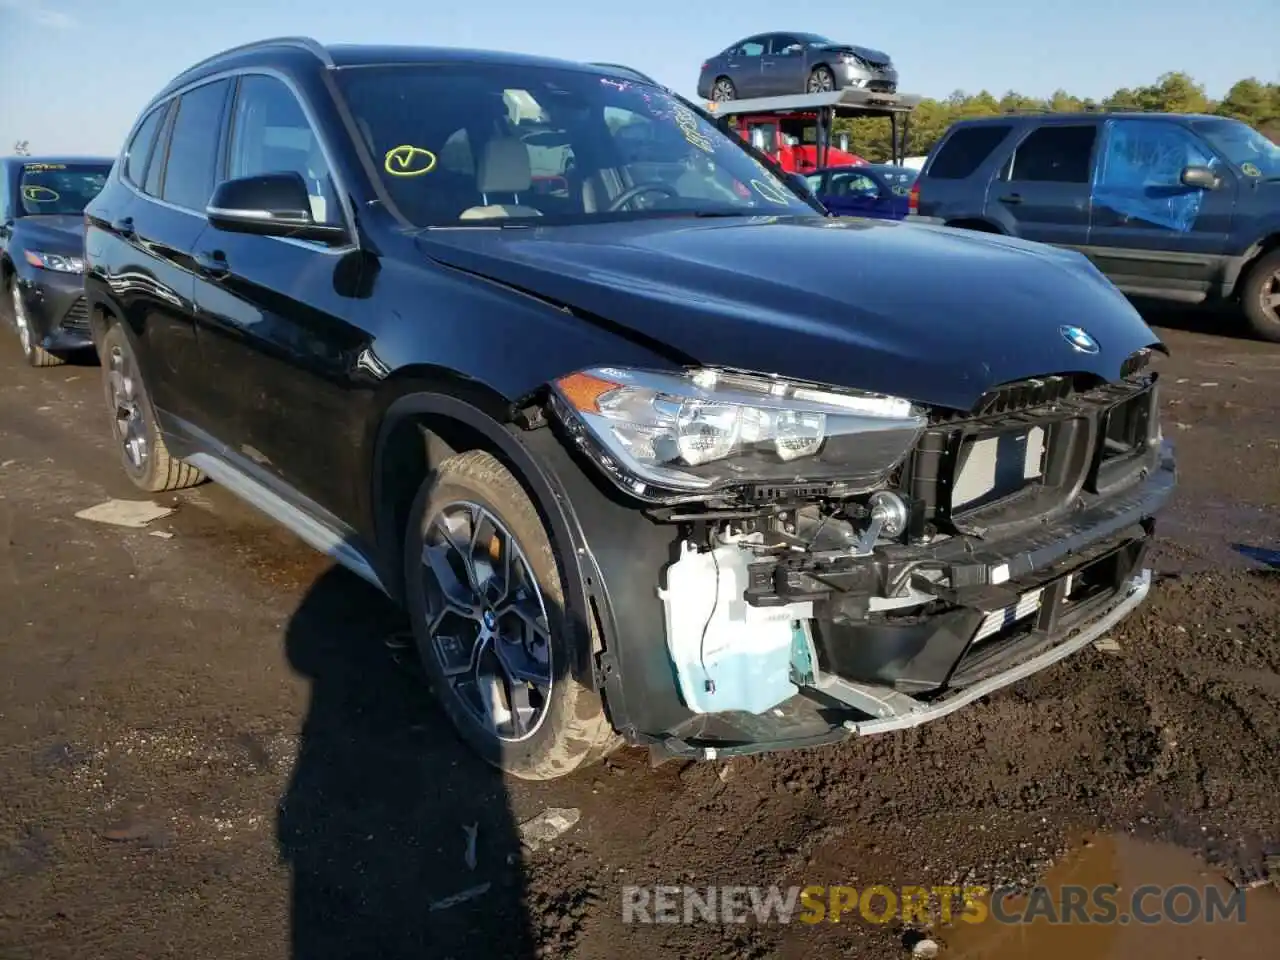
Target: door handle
x=124, y=227
x=1012, y=199
x=212, y=263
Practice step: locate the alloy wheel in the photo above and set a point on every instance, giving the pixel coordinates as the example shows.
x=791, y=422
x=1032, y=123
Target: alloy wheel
x=1270, y=296
x=20, y=321
x=129, y=418
x=722, y=92
x=820, y=81
x=487, y=621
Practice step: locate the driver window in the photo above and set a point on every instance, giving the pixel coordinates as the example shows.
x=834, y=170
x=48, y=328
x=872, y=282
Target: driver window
x=770, y=133
x=270, y=134
x=785, y=46
x=854, y=185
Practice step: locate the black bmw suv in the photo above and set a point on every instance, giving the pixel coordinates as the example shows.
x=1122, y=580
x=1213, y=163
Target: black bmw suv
x=651, y=449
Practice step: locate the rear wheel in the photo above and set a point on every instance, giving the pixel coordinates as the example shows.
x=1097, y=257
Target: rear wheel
x=143, y=453
x=821, y=80
x=1260, y=297
x=487, y=605
x=724, y=90
x=36, y=355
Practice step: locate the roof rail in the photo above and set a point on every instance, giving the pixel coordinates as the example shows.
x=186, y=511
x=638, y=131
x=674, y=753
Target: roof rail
x=302, y=43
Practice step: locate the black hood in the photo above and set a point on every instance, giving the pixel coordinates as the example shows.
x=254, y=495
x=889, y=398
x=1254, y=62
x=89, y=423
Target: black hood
x=933, y=314
x=53, y=233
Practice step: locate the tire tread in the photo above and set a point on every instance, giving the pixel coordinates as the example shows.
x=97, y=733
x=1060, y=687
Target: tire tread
x=586, y=735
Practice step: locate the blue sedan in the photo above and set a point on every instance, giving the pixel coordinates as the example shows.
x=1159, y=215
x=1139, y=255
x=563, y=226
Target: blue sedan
x=877, y=190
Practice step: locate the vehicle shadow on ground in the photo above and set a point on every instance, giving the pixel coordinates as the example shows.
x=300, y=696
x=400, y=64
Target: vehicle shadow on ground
x=1221, y=320
x=374, y=821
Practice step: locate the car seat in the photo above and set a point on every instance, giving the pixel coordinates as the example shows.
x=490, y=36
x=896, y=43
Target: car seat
x=503, y=168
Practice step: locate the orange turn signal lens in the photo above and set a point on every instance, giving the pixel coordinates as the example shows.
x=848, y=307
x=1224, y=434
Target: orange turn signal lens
x=582, y=391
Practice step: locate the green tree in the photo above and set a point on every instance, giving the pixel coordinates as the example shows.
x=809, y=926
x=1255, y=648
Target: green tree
x=1251, y=101
x=1173, y=93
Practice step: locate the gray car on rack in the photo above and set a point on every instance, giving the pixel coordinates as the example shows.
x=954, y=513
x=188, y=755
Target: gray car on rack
x=776, y=64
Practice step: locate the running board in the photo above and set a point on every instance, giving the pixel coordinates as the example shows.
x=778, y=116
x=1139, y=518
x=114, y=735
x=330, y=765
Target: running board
x=891, y=710
x=314, y=532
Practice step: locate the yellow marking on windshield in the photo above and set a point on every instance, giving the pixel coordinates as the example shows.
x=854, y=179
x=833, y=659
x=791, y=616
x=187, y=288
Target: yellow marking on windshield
x=38, y=194
x=44, y=166
x=407, y=160
x=1249, y=170
x=771, y=192
x=687, y=121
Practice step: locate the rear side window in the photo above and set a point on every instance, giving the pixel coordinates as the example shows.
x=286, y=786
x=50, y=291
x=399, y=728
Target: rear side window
x=135, y=160
x=193, y=146
x=155, y=169
x=965, y=150
x=1055, y=154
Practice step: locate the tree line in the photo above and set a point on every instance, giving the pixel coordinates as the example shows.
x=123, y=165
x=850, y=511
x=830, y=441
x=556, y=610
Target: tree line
x=1251, y=100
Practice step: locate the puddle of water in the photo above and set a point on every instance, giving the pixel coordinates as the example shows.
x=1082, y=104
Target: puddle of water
x=1129, y=865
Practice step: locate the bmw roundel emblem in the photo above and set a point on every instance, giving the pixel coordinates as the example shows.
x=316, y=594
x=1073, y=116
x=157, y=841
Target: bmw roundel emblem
x=1079, y=338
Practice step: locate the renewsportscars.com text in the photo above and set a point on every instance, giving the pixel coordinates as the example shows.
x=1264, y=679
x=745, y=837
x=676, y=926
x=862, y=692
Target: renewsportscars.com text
x=1069, y=904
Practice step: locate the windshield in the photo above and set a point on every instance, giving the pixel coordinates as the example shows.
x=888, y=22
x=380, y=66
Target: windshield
x=51, y=188
x=813, y=39
x=1245, y=147
x=895, y=175
x=482, y=145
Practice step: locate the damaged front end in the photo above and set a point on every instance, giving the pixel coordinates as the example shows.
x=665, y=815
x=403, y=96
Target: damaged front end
x=851, y=563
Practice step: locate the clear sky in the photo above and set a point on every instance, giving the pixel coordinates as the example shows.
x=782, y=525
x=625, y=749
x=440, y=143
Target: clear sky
x=74, y=73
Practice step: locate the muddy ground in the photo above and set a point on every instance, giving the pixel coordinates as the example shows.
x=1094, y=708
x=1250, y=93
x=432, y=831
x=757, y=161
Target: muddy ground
x=207, y=748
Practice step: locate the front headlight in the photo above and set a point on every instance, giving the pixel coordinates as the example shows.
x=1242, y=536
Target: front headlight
x=59, y=262
x=681, y=436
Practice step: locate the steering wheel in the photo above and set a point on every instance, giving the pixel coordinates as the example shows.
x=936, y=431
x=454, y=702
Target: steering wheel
x=629, y=194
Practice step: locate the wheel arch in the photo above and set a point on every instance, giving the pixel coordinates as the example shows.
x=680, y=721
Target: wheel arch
x=1252, y=257
x=422, y=427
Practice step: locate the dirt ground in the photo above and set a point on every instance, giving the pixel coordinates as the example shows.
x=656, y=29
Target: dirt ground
x=208, y=748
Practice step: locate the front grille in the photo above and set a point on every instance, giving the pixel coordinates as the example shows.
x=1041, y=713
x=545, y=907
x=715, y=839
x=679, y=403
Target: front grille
x=1026, y=449
x=882, y=86
x=77, y=317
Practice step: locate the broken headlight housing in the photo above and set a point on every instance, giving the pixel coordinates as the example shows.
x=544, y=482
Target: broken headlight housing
x=668, y=437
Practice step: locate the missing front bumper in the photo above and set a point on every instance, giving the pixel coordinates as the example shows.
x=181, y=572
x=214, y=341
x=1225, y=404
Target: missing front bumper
x=891, y=710
x=806, y=722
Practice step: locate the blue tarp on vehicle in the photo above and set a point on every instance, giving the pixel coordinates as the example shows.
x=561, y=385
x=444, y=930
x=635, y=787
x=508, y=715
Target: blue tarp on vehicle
x=1139, y=173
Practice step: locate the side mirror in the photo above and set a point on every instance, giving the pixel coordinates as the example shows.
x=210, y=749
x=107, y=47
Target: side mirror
x=1202, y=177
x=269, y=205
x=757, y=139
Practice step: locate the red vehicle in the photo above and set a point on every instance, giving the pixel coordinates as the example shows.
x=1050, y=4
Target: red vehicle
x=796, y=130
x=792, y=141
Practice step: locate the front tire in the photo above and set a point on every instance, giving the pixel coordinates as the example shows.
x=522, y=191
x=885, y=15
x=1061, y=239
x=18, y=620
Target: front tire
x=134, y=425
x=821, y=80
x=32, y=352
x=484, y=592
x=1260, y=297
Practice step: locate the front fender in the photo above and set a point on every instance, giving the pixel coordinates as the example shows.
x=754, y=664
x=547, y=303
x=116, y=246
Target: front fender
x=504, y=342
x=539, y=479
